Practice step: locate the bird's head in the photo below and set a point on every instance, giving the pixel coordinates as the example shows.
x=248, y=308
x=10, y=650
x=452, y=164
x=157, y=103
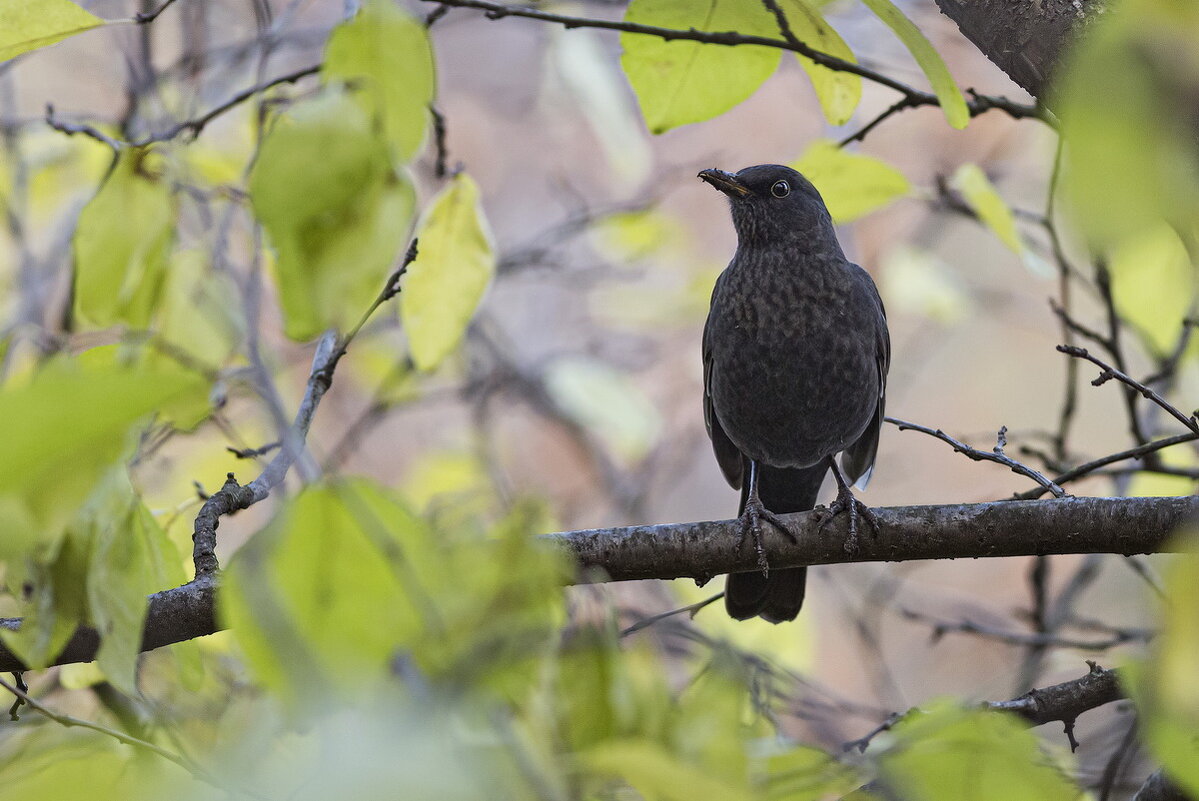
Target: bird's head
x=772, y=204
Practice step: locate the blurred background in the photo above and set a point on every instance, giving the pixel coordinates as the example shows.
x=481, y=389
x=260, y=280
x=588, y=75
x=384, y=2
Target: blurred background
x=578, y=388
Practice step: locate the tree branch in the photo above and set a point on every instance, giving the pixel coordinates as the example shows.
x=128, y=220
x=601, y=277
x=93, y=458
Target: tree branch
x=977, y=104
x=706, y=549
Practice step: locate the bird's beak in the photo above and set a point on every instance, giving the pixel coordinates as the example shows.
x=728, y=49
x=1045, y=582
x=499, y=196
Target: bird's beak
x=725, y=183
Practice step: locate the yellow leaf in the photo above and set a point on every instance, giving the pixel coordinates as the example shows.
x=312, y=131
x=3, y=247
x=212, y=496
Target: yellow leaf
x=851, y=184
x=979, y=193
x=455, y=264
x=838, y=92
x=29, y=24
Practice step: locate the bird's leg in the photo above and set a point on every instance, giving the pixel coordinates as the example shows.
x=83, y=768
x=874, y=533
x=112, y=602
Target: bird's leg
x=751, y=519
x=846, y=502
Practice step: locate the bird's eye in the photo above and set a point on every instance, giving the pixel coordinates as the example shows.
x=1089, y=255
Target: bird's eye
x=780, y=189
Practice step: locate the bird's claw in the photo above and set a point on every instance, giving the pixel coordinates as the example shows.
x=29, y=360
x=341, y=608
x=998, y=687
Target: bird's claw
x=846, y=502
x=751, y=523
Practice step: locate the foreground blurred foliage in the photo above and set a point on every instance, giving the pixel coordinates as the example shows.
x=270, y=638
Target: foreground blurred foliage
x=417, y=643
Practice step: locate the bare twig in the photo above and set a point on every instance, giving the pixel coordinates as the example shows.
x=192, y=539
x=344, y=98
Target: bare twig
x=943, y=626
x=996, y=455
x=1066, y=701
x=1138, y=452
x=978, y=104
x=147, y=17
x=1110, y=372
x=690, y=609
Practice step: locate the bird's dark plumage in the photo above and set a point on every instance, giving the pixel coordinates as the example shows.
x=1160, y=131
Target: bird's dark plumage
x=795, y=354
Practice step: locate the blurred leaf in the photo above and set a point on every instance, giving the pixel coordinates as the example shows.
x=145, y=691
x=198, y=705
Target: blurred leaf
x=80, y=675
x=597, y=87
x=336, y=213
x=838, y=92
x=1163, y=687
x=302, y=632
x=451, y=478
x=658, y=774
x=680, y=82
x=948, y=753
x=939, y=77
x=61, y=430
x=1130, y=139
x=121, y=245
x=1153, y=285
x=802, y=773
x=131, y=557
x=630, y=236
x=387, y=56
x=980, y=194
x=445, y=284
x=200, y=314
x=919, y=282
x=55, y=599
x=606, y=403
x=29, y=24
x=851, y=184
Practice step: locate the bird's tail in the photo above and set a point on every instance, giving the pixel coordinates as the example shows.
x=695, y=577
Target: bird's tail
x=778, y=596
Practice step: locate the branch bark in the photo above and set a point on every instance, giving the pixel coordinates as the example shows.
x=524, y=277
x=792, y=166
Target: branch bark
x=706, y=549
x=1025, y=38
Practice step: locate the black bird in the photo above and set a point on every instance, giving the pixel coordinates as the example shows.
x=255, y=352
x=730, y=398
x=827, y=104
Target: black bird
x=796, y=352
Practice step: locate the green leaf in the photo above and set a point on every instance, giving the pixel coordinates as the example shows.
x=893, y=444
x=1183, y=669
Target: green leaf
x=851, y=184
x=387, y=56
x=121, y=245
x=335, y=211
x=802, y=773
x=952, y=103
x=1163, y=687
x=63, y=429
x=1153, y=284
x=680, y=82
x=131, y=557
x=838, y=92
x=947, y=753
x=55, y=599
x=980, y=194
x=1130, y=150
x=444, y=285
x=656, y=773
x=29, y=24
x=606, y=403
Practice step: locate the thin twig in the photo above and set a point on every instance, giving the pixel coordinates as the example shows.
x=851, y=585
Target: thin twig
x=691, y=609
x=942, y=626
x=1110, y=372
x=1138, y=452
x=997, y=455
x=147, y=17
x=978, y=104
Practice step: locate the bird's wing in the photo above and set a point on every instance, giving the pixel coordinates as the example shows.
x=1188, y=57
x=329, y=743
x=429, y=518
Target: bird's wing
x=858, y=459
x=728, y=456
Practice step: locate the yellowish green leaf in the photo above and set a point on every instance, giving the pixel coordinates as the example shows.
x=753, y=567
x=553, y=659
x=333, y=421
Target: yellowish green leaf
x=606, y=403
x=65, y=427
x=445, y=284
x=122, y=243
x=1163, y=686
x=980, y=194
x=1153, y=284
x=335, y=211
x=29, y=24
x=947, y=753
x=631, y=236
x=851, y=184
x=680, y=82
x=1130, y=151
x=950, y=96
x=656, y=773
x=802, y=773
x=838, y=92
x=387, y=56
x=918, y=282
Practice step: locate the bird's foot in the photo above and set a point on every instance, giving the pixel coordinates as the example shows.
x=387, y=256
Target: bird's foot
x=751, y=524
x=846, y=502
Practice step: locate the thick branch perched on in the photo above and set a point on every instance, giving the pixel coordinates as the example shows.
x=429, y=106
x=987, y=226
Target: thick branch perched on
x=705, y=549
